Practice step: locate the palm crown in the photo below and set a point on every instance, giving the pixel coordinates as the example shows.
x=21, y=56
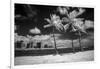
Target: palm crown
x=55, y=22
x=72, y=21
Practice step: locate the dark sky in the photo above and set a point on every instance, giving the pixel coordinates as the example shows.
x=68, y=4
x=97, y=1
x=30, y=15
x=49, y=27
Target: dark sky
x=33, y=16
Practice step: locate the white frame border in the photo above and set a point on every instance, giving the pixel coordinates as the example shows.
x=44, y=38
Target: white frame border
x=69, y=3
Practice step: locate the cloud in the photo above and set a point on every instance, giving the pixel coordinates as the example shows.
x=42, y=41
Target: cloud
x=35, y=31
x=89, y=24
x=62, y=10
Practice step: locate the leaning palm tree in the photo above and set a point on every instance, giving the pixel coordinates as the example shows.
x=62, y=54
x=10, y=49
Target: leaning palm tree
x=54, y=22
x=78, y=27
x=76, y=24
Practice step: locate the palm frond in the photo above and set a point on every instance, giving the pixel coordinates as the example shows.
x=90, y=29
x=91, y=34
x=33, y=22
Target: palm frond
x=66, y=26
x=65, y=19
x=48, y=20
x=80, y=26
x=74, y=29
x=48, y=25
x=63, y=10
x=59, y=27
x=73, y=14
x=81, y=11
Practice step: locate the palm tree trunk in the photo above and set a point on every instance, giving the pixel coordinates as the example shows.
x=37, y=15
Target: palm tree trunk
x=55, y=42
x=73, y=47
x=80, y=41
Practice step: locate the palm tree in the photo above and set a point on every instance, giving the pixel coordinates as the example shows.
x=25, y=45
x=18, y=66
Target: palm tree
x=54, y=22
x=76, y=24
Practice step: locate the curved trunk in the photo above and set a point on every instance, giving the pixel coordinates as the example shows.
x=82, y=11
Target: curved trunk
x=55, y=42
x=80, y=41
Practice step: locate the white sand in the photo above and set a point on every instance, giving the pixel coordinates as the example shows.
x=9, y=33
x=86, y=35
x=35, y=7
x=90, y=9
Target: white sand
x=68, y=57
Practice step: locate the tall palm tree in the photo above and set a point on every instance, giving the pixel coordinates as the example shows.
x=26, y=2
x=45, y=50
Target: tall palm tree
x=76, y=24
x=54, y=22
